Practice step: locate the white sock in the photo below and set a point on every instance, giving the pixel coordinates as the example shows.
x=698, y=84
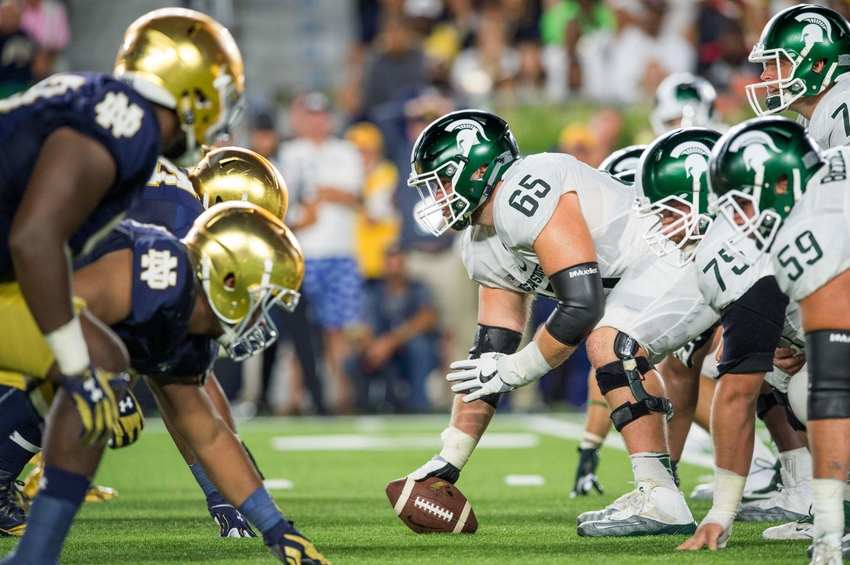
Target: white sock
x=828, y=506
x=590, y=441
x=797, y=463
x=653, y=467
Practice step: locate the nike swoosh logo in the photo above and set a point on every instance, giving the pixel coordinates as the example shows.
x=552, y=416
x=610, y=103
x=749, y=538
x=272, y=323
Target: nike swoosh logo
x=522, y=266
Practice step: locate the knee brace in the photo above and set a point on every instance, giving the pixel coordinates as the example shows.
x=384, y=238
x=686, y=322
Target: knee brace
x=828, y=354
x=629, y=372
x=492, y=339
x=781, y=398
x=765, y=403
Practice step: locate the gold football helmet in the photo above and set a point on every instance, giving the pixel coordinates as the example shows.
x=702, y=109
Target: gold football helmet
x=247, y=262
x=232, y=173
x=186, y=61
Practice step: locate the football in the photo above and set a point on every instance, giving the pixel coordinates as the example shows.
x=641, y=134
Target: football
x=432, y=506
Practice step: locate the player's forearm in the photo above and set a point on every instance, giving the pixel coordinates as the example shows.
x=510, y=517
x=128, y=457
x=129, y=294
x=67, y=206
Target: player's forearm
x=733, y=419
x=553, y=350
x=42, y=269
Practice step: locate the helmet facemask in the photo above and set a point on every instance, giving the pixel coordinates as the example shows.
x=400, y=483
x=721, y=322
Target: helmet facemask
x=789, y=88
x=436, y=200
x=761, y=227
x=688, y=223
x=256, y=331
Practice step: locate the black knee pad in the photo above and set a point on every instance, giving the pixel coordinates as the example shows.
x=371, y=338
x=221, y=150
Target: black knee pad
x=828, y=355
x=795, y=424
x=765, y=403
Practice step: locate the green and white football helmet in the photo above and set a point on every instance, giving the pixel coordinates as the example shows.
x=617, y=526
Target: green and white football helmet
x=763, y=163
x=444, y=160
x=671, y=183
x=622, y=164
x=683, y=100
x=804, y=35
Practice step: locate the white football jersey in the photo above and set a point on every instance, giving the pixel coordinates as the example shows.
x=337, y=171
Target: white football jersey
x=813, y=243
x=531, y=191
x=653, y=300
x=830, y=123
x=722, y=276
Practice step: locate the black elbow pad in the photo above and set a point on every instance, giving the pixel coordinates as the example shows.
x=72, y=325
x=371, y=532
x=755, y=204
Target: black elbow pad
x=581, y=303
x=493, y=339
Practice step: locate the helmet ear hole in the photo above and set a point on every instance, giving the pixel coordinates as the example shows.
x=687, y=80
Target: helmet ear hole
x=781, y=184
x=230, y=281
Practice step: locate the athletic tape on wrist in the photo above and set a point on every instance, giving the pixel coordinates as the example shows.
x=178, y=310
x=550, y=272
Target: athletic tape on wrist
x=457, y=446
x=523, y=367
x=728, y=490
x=69, y=348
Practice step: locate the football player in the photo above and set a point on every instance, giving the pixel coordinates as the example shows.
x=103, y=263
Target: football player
x=170, y=300
x=805, y=50
x=527, y=238
x=684, y=100
x=172, y=201
x=777, y=188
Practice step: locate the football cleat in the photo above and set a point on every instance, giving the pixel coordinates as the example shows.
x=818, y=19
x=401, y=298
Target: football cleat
x=801, y=529
x=230, y=521
x=651, y=510
x=292, y=548
x=99, y=494
x=586, y=479
x=436, y=467
x=13, y=520
x=620, y=504
x=826, y=550
x=33, y=478
x=792, y=503
x=770, y=490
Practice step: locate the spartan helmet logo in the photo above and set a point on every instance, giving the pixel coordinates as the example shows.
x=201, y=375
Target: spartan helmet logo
x=629, y=164
x=467, y=136
x=815, y=30
x=696, y=158
x=758, y=148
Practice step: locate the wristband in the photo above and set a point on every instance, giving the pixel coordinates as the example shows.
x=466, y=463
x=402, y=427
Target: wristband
x=523, y=367
x=69, y=348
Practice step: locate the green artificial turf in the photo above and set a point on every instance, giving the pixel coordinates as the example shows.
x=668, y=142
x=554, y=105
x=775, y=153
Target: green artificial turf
x=338, y=501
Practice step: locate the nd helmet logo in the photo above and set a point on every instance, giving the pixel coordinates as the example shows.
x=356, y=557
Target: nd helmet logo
x=467, y=134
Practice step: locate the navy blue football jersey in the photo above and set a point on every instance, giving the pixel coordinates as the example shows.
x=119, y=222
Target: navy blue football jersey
x=164, y=294
x=168, y=200
x=95, y=105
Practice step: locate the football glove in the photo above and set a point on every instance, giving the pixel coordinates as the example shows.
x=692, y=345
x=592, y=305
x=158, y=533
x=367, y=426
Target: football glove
x=586, y=479
x=95, y=403
x=293, y=548
x=130, y=422
x=478, y=377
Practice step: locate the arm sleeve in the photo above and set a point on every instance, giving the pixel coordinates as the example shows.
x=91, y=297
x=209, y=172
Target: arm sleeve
x=752, y=326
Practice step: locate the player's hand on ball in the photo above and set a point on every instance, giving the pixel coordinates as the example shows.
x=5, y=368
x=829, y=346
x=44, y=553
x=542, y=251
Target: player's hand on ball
x=130, y=422
x=95, y=403
x=712, y=535
x=478, y=377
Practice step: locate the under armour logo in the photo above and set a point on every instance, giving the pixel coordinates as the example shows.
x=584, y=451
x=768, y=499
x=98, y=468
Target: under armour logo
x=126, y=405
x=159, y=274
x=95, y=394
x=116, y=112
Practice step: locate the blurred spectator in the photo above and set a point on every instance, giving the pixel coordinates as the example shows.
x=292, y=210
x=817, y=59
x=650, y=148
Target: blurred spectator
x=17, y=50
x=464, y=19
x=627, y=68
x=722, y=49
x=378, y=223
x=607, y=126
x=333, y=172
x=582, y=18
x=398, y=344
x=579, y=141
x=531, y=78
x=46, y=21
x=294, y=328
x=489, y=67
x=397, y=63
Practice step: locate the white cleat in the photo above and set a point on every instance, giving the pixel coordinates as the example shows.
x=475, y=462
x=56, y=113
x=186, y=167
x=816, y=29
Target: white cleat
x=703, y=491
x=620, y=504
x=826, y=550
x=651, y=510
x=792, y=503
x=801, y=529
